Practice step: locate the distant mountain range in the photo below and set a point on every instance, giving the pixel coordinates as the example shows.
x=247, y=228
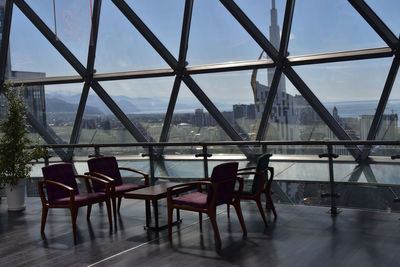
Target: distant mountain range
x=56, y=102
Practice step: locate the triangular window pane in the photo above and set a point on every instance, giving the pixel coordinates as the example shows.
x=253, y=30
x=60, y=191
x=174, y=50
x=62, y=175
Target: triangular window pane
x=191, y=122
x=235, y=95
x=61, y=105
x=216, y=36
x=389, y=127
x=388, y=12
x=167, y=26
x=267, y=16
x=294, y=119
x=73, y=18
x=35, y=58
x=100, y=126
x=329, y=26
x=144, y=101
x=120, y=46
x=350, y=91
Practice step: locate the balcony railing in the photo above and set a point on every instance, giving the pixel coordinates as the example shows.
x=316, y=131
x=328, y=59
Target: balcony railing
x=325, y=166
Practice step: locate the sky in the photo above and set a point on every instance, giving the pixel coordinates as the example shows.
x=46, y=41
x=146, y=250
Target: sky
x=319, y=26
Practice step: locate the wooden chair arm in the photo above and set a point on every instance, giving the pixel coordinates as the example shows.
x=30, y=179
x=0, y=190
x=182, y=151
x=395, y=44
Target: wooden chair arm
x=88, y=187
x=101, y=176
x=248, y=168
x=145, y=175
x=66, y=187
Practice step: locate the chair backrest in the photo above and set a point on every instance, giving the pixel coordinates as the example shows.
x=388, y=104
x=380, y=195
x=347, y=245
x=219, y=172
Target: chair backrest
x=107, y=166
x=225, y=191
x=62, y=173
x=262, y=166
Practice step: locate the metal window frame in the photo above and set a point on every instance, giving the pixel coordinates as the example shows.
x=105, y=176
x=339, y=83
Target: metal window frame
x=280, y=60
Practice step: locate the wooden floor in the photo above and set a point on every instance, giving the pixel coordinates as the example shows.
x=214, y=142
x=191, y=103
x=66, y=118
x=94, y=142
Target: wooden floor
x=301, y=236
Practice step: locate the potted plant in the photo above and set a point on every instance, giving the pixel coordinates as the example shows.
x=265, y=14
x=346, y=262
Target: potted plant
x=15, y=157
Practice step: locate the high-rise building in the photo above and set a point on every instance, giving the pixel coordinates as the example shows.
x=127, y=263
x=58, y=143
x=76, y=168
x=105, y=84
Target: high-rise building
x=283, y=115
x=34, y=96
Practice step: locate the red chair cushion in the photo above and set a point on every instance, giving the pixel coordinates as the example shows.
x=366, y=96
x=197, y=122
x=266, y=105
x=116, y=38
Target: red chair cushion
x=197, y=200
x=83, y=199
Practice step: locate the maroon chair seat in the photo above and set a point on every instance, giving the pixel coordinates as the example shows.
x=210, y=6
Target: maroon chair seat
x=197, y=199
x=62, y=192
x=81, y=200
x=107, y=168
x=221, y=190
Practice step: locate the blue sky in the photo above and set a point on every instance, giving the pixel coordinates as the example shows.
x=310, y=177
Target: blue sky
x=319, y=26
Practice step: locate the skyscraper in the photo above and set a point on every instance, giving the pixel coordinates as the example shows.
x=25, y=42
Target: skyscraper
x=283, y=115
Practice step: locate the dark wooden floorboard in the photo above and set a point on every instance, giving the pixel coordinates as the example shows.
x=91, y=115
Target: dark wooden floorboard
x=301, y=236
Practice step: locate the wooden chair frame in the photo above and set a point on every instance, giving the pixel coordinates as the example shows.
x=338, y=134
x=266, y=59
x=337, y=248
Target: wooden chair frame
x=210, y=210
x=261, y=190
x=114, y=195
x=72, y=205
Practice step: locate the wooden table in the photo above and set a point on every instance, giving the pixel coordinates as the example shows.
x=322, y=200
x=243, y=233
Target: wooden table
x=154, y=193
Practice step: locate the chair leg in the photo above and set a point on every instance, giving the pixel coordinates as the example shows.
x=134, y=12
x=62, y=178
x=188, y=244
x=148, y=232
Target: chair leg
x=238, y=209
x=170, y=215
x=119, y=203
x=201, y=221
x=108, y=204
x=228, y=209
x=114, y=207
x=89, y=210
x=213, y=219
x=271, y=203
x=260, y=208
x=74, y=215
x=44, y=217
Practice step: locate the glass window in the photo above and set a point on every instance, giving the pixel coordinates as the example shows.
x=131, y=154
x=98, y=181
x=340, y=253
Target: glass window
x=321, y=26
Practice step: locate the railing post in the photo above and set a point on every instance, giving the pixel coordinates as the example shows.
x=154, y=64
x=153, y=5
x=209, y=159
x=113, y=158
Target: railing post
x=151, y=157
x=96, y=152
x=205, y=160
x=333, y=195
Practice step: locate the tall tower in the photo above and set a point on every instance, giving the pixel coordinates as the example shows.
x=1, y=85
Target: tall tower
x=274, y=38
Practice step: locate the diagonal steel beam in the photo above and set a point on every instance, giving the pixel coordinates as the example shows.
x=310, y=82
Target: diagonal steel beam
x=287, y=26
x=211, y=108
x=5, y=39
x=45, y=135
x=249, y=26
x=269, y=104
x=93, y=37
x=90, y=65
x=187, y=18
x=146, y=32
x=170, y=110
x=78, y=119
x=382, y=105
x=322, y=112
x=375, y=22
x=63, y=50
x=128, y=124
x=50, y=36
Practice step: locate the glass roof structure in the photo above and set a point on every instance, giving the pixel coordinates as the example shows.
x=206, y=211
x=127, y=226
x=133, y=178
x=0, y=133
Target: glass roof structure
x=120, y=71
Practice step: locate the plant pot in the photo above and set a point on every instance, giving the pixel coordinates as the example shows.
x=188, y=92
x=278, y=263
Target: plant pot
x=16, y=196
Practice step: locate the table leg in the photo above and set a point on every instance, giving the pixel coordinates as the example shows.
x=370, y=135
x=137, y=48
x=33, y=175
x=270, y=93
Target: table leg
x=155, y=207
x=148, y=213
